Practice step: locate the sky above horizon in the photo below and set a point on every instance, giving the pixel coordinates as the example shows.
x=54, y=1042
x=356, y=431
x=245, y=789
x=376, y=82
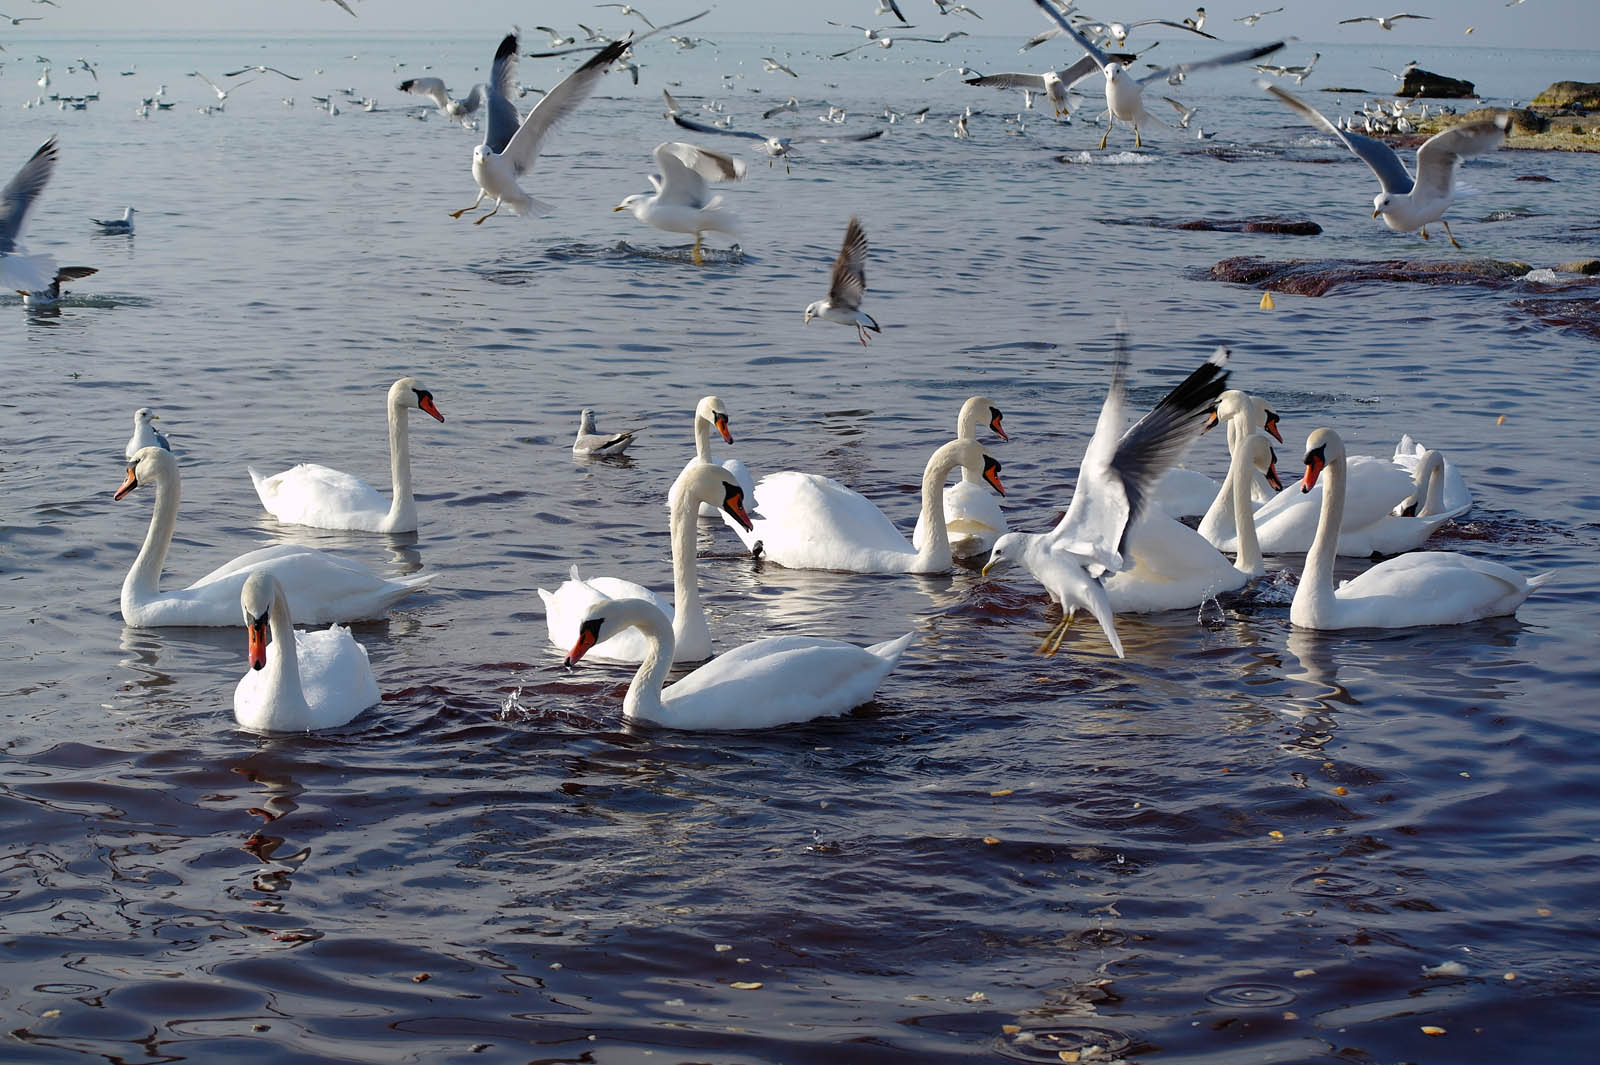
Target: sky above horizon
x=1567, y=24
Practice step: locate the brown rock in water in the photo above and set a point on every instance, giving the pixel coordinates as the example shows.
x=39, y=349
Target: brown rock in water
x=1536, y=177
x=1287, y=227
x=1317, y=277
x=1419, y=82
x=1579, y=95
x=1579, y=266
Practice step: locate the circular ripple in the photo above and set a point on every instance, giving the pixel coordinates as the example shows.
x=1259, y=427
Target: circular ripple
x=65, y=989
x=1335, y=886
x=1102, y=937
x=1046, y=1043
x=1247, y=994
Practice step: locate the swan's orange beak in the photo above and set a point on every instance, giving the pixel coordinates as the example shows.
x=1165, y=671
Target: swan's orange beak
x=722, y=427
x=129, y=483
x=1314, y=467
x=991, y=473
x=258, y=643
x=994, y=423
x=1272, y=475
x=1271, y=426
x=425, y=401
x=733, y=503
x=588, y=636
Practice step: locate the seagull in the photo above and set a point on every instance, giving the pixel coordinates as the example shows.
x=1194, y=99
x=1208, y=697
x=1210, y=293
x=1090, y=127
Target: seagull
x=1406, y=203
x=1300, y=73
x=600, y=40
x=889, y=7
x=777, y=147
x=509, y=149
x=20, y=21
x=594, y=444
x=259, y=70
x=792, y=105
x=1251, y=20
x=1055, y=84
x=1386, y=21
x=682, y=203
x=222, y=94
x=1184, y=113
x=947, y=8
x=116, y=225
x=434, y=89
x=1197, y=21
x=843, y=304
x=1124, y=93
x=50, y=295
x=772, y=66
x=144, y=434
x=346, y=6
x=20, y=272
x=557, y=40
x=1118, y=472
x=629, y=9
x=961, y=132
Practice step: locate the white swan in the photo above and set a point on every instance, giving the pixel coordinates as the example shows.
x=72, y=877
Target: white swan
x=807, y=521
x=303, y=680
x=145, y=434
x=1454, y=494
x=1184, y=493
x=1424, y=588
x=972, y=513
x=321, y=588
x=324, y=498
x=781, y=680
x=710, y=412
x=700, y=482
x=1174, y=567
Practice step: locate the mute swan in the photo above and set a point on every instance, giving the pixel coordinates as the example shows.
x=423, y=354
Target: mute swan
x=1114, y=480
x=591, y=443
x=682, y=202
x=145, y=434
x=843, y=303
x=324, y=498
x=1455, y=496
x=707, y=413
x=972, y=513
x=1183, y=493
x=304, y=680
x=806, y=521
x=701, y=482
x=781, y=680
x=1174, y=568
x=1422, y=588
x=321, y=588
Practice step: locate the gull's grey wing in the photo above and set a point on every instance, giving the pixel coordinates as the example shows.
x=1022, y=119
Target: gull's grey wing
x=1441, y=154
x=1083, y=68
x=1067, y=28
x=1392, y=173
x=558, y=103
x=503, y=117
x=1174, y=25
x=474, y=100
x=685, y=170
x=850, y=268
x=702, y=127
x=20, y=193
x=432, y=88
x=1039, y=38
x=1032, y=82
x=869, y=135
x=1226, y=59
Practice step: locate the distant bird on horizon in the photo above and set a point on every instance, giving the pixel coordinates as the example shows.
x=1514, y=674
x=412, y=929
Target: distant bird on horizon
x=629, y=9
x=259, y=70
x=1385, y=21
x=1252, y=19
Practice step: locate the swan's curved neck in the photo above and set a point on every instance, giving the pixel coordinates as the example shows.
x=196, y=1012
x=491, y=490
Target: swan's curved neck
x=935, y=553
x=702, y=439
x=1317, y=581
x=402, y=507
x=1249, y=559
x=644, y=691
x=287, y=709
x=1430, y=473
x=1214, y=526
x=688, y=616
x=965, y=430
x=143, y=580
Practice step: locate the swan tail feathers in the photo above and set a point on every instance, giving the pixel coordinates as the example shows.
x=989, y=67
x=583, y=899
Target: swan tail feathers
x=1539, y=580
x=891, y=650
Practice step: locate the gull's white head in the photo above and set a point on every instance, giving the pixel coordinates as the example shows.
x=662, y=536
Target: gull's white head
x=814, y=309
x=144, y=416
x=1113, y=69
x=635, y=203
x=1007, y=552
x=1381, y=203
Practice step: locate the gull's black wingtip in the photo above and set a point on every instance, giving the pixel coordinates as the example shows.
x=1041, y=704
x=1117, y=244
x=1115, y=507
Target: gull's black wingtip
x=507, y=49
x=609, y=54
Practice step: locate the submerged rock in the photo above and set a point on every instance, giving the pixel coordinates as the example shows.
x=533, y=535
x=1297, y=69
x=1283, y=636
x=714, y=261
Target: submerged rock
x=1278, y=226
x=1317, y=277
x=1581, y=315
x=1579, y=266
x=1419, y=82
x=1579, y=95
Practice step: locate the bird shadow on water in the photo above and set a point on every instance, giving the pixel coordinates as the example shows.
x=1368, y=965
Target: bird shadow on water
x=620, y=253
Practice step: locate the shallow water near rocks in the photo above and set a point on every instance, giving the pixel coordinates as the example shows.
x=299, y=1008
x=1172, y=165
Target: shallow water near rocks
x=1241, y=842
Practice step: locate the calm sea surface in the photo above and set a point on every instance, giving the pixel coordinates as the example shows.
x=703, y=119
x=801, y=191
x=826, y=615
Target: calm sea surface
x=1242, y=843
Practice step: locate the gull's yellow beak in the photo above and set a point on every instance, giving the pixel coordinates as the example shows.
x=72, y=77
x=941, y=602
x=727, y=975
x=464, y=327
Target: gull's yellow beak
x=1375, y=212
x=621, y=207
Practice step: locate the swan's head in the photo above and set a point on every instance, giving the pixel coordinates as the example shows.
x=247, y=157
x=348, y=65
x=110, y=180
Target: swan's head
x=979, y=411
x=708, y=483
x=710, y=409
x=1323, y=448
x=607, y=617
x=634, y=203
x=144, y=416
x=409, y=392
x=149, y=464
x=1231, y=404
x=255, y=599
x=812, y=310
x=1262, y=458
x=1265, y=418
x=970, y=453
x=1007, y=552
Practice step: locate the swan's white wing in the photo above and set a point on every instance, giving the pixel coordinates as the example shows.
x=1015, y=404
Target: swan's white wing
x=21, y=192
x=1100, y=58
x=559, y=103
x=1031, y=82
x=1227, y=59
x=850, y=268
x=1392, y=173
x=432, y=88
x=309, y=494
x=503, y=117
x=1441, y=154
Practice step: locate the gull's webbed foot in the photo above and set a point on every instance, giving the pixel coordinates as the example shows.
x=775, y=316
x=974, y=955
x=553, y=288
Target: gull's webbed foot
x=1452, y=236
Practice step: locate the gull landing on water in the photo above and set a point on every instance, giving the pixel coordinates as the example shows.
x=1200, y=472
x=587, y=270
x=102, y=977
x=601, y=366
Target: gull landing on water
x=682, y=203
x=843, y=304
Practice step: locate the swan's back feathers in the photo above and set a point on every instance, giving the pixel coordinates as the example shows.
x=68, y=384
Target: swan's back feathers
x=313, y=494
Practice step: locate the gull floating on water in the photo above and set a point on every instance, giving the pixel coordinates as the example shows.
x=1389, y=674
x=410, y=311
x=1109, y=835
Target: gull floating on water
x=510, y=147
x=116, y=225
x=594, y=444
x=144, y=434
x=682, y=202
x=843, y=304
x=1408, y=203
x=1125, y=93
x=20, y=272
x=777, y=147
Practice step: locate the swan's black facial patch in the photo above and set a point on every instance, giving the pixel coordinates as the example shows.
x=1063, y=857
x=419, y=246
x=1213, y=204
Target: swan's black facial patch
x=1315, y=464
x=991, y=473
x=733, y=503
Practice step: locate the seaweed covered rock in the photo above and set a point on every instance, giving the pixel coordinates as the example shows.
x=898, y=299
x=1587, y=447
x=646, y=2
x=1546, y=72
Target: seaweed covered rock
x=1576, y=95
x=1317, y=277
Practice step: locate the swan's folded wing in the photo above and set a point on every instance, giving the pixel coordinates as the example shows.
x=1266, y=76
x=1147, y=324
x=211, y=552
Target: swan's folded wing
x=302, y=493
x=778, y=681
x=808, y=506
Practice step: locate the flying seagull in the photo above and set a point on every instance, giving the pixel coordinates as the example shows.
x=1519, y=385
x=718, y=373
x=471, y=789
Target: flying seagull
x=1055, y=84
x=434, y=89
x=777, y=147
x=843, y=304
x=1386, y=21
x=20, y=272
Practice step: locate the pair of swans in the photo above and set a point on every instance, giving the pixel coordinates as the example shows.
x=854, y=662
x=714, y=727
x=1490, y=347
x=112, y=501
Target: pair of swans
x=324, y=498
x=710, y=413
x=700, y=482
x=1422, y=588
x=298, y=681
x=972, y=513
x=320, y=587
x=1184, y=493
x=1113, y=495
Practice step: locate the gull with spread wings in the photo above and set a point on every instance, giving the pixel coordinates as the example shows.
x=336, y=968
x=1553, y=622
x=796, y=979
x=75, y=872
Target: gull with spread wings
x=1056, y=84
x=777, y=147
x=843, y=304
x=682, y=202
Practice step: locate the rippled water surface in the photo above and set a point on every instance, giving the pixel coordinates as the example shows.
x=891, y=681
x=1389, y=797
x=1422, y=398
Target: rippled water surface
x=1242, y=842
